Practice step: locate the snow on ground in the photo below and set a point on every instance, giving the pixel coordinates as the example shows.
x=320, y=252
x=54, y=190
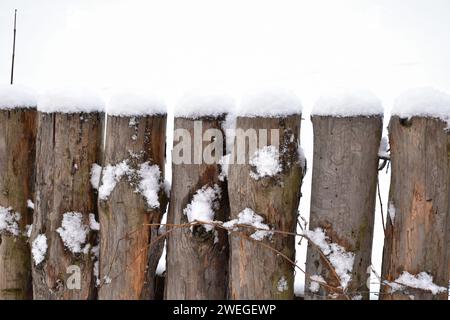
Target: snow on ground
x=195, y=105
x=203, y=205
x=265, y=162
x=248, y=217
x=73, y=231
x=70, y=100
x=340, y=259
x=135, y=104
x=16, y=96
x=39, y=249
x=348, y=103
x=424, y=101
x=9, y=221
x=422, y=281
x=269, y=102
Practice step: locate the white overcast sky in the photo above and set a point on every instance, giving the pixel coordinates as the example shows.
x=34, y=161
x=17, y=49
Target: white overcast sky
x=169, y=47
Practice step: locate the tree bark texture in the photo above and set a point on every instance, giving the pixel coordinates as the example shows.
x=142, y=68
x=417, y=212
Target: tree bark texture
x=196, y=259
x=17, y=156
x=343, y=195
x=264, y=269
x=129, y=250
x=416, y=238
x=67, y=145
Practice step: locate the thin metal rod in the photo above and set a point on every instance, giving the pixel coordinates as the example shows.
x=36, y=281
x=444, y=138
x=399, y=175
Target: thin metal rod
x=14, y=47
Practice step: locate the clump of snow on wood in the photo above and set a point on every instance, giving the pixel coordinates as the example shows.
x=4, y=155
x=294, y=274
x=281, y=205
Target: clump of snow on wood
x=341, y=260
x=70, y=100
x=424, y=102
x=196, y=105
x=135, y=104
x=265, y=162
x=248, y=217
x=224, y=163
x=348, y=103
x=150, y=183
x=391, y=211
x=316, y=280
x=96, y=171
x=203, y=205
x=9, y=221
x=270, y=102
x=282, y=284
x=383, y=151
x=422, y=281
x=111, y=175
x=30, y=204
x=28, y=230
x=16, y=96
x=39, y=249
x=73, y=231
x=93, y=224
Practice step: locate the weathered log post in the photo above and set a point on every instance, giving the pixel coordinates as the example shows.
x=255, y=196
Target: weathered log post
x=264, y=180
x=17, y=154
x=197, y=256
x=64, y=227
x=131, y=196
x=347, y=134
x=415, y=246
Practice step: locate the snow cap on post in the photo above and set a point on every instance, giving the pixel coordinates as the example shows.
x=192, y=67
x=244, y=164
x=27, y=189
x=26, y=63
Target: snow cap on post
x=424, y=102
x=194, y=105
x=269, y=103
x=71, y=100
x=127, y=104
x=16, y=96
x=348, y=103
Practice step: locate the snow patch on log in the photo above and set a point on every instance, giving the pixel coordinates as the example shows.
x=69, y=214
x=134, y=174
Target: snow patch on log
x=348, y=103
x=341, y=260
x=316, y=280
x=265, y=162
x=203, y=205
x=282, y=284
x=422, y=281
x=423, y=102
x=96, y=171
x=70, y=100
x=39, y=249
x=17, y=96
x=150, y=183
x=248, y=217
x=112, y=175
x=195, y=105
x=269, y=103
x=9, y=221
x=73, y=231
x=391, y=211
x=126, y=104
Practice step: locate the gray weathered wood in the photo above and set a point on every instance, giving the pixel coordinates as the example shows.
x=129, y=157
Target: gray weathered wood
x=17, y=154
x=196, y=263
x=255, y=270
x=343, y=194
x=127, y=247
x=416, y=240
x=66, y=147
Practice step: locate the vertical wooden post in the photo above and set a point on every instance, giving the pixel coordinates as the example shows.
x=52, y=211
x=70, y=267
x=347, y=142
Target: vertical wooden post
x=17, y=154
x=196, y=258
x=256, y=270
x=127, y=246
x=343, y=194
x=67, y=144
x=416, y=236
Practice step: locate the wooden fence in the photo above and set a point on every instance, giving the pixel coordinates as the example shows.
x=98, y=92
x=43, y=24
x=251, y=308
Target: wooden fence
x=60, y=163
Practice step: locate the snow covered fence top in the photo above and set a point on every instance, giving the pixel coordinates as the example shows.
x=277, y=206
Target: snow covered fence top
x=425, y=102
x=194, y=105
x=135, y=104
x=15, y=96
x=269, y=103
x=348, y=104
x=70, y=100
